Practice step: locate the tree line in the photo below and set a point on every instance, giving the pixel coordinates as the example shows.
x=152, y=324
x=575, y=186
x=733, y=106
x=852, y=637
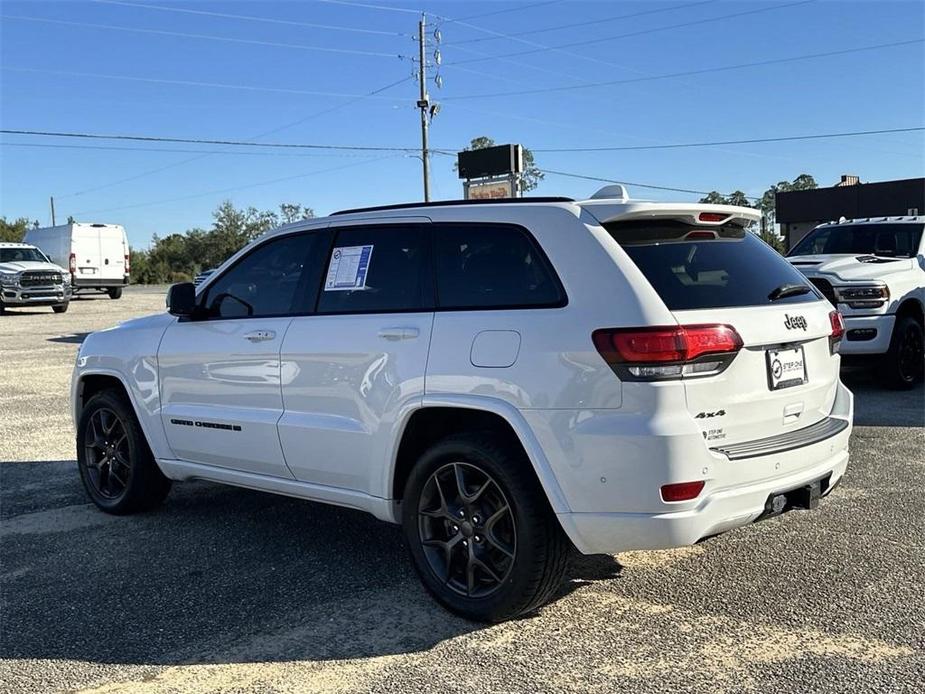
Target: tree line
x=767, y=204
x=180, y=257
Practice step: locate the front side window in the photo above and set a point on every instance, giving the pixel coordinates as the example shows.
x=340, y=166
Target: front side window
x=888, y=240
x=492, y=266
x=266, y=282
x=376, y=270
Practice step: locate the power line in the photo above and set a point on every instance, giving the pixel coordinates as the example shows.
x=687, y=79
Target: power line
x=220, y=191
x=574, y=25
x=683, y=145
x=688, y=73
x=632, y=183
x=251, y=18
x=371, y=6
x=209, y=37
x=190, y=140
x=176, y=150
x=272, y=131
x=517, y=8
x=588, y=42
x=365, y=148
x=192, y=83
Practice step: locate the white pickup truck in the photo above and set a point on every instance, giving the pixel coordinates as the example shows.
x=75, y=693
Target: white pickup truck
x=873, y=271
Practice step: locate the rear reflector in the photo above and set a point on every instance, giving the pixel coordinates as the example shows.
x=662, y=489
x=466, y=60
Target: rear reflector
x=682, y=491
x=712, y=216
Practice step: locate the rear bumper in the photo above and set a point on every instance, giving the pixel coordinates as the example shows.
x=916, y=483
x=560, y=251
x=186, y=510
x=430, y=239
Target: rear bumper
x=101, y=283
x=626, y=511
x=35, y=296
x=609, y=533
x=867, y=334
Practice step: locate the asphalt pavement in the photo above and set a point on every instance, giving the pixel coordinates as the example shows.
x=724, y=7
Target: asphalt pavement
x=223, y=589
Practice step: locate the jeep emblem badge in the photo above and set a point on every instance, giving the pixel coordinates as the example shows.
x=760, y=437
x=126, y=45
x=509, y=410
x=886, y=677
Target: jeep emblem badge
x=794, y=322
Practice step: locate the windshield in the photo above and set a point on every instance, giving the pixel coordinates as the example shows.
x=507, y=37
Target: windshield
x=18, y=255
x=891, y=240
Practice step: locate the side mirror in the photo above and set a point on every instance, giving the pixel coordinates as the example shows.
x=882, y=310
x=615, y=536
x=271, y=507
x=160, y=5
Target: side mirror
x=181, y=299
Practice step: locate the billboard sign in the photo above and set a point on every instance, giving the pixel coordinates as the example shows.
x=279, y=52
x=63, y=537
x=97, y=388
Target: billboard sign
x=502, y=160
x=490, y=190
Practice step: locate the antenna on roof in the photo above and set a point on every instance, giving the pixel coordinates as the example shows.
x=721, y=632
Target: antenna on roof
x=612, y=192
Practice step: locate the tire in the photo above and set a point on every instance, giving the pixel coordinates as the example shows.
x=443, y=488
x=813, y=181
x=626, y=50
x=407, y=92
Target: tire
x=139, y=485
x=2, y=308
x=115, y=292
x=526, y=549
x=60, y=308
x=903, y=365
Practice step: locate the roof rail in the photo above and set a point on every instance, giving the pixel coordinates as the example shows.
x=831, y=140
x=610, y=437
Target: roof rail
x=447, y=203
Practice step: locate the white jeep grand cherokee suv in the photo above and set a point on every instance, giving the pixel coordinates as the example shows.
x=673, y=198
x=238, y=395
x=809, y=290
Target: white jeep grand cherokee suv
x=506, y=379
x=873, y=271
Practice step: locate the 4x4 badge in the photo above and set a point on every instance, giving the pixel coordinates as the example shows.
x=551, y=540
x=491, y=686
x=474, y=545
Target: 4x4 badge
x=794, y=322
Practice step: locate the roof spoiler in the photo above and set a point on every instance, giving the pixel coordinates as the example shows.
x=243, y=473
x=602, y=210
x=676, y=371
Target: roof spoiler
x=612, y=192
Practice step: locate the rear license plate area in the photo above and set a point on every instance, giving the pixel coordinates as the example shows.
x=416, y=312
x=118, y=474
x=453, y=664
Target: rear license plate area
x=786, y=367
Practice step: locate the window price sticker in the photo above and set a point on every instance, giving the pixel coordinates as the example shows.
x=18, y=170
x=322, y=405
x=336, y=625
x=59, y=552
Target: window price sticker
x=348, y=268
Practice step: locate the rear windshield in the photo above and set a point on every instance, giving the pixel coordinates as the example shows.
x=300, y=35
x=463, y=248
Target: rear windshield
x=890, y=240
x=734, y=269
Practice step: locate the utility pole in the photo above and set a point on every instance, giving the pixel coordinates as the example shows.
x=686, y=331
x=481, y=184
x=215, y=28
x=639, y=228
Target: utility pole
x=52, y=201
x=424, y=102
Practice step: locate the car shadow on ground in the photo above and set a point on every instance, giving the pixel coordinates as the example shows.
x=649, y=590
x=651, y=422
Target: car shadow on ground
x=217, y=574
x=878, y=406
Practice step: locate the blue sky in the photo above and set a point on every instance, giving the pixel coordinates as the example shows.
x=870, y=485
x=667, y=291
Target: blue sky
x=61, y=75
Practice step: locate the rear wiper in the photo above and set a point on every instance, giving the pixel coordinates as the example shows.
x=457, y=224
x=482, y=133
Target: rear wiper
x=786, y=290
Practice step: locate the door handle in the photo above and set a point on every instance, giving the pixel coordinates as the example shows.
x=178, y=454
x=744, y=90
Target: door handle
x=395, y=334
x=260, y=335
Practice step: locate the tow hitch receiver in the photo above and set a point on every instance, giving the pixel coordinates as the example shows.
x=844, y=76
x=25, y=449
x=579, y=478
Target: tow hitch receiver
x=806, y=497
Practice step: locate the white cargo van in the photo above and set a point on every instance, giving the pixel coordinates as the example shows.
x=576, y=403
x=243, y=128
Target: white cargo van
x=97, y=255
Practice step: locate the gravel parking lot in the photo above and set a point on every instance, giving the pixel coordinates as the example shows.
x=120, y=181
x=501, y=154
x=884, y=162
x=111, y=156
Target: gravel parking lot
x=230, y=590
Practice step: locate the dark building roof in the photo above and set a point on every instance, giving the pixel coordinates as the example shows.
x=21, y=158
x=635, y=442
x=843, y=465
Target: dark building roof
x=887, y=198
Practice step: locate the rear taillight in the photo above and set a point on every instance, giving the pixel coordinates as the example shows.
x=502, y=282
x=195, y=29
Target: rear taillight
x=838, y=331
x=72, y=263
x=649, y=354
x=127, y=267
x=682, y=491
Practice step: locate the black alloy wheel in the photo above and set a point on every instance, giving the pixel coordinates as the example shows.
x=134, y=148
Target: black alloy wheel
x=107, y=454
x=479, y=528
x=116, y=466
x=467, y=529
x=910, y=353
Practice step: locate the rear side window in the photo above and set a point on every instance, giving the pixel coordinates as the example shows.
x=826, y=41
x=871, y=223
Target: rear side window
x=492, y=266
x=377, y=270
x=735, y=268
